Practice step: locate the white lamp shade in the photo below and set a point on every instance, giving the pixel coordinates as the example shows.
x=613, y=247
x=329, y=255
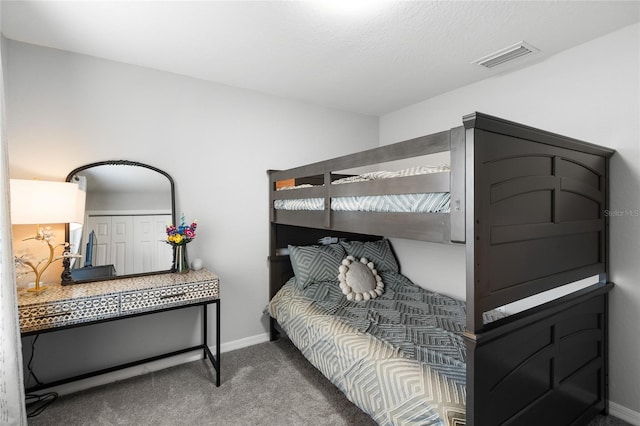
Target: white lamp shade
x=45, y=202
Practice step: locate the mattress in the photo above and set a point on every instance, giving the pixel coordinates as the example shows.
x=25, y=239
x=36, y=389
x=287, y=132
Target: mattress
x=438, y=202
x=400, y=357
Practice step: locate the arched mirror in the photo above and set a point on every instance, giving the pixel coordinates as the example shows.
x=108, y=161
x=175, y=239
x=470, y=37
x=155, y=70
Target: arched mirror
x=128, y=206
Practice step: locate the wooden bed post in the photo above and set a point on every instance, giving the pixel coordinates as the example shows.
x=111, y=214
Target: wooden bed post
x=458, y=183
x=327, y=200
x=474, y=318
x=472, y=226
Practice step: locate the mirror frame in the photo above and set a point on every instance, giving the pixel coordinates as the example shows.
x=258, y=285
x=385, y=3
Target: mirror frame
x=66, y=263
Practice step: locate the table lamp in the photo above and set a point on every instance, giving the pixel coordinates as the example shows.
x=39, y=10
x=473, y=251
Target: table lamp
x=36, y=202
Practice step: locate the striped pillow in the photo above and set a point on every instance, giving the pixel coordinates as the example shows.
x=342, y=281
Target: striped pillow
x=379, y=252
x=316, y=263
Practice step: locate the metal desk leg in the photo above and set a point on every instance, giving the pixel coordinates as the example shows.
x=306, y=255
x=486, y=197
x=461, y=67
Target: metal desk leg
x=218, y=341
x=215, y=361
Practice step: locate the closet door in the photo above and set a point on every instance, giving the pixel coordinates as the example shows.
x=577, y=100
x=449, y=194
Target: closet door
x=101, y=225
x=122, y=244
x=151, y=252
x=163, y=253
x=133, y=244
x=143, y=233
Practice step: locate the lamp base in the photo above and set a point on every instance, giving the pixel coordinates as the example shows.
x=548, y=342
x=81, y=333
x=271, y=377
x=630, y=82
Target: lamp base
x=37, y=290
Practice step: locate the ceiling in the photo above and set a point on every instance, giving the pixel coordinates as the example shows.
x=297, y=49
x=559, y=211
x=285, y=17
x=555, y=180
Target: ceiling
x=369, y=60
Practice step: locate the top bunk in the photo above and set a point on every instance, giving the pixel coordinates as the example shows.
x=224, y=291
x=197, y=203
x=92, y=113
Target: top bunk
x=331, y=195
x=428, y=201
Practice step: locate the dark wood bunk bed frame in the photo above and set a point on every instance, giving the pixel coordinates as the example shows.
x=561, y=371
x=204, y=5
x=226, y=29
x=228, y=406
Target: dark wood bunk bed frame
x=529, y=206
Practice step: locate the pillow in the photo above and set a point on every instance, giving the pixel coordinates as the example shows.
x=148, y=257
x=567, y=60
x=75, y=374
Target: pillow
x=379, y=252
x=359, y=280
x=315, y=263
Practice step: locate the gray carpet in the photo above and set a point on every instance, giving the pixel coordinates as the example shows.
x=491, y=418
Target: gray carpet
x=265, y=384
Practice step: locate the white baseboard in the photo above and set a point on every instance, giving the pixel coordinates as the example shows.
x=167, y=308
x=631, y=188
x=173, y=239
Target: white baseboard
x=243, y=343
x=149, y=367
x=624, y=413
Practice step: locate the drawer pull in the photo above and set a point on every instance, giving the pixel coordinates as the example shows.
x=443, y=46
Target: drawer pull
x=169, y=296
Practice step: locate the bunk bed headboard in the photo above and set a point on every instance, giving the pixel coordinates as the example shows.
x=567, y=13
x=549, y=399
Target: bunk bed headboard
x=535, y=217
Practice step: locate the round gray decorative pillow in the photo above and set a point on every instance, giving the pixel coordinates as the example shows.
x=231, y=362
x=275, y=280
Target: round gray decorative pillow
x=359, y=280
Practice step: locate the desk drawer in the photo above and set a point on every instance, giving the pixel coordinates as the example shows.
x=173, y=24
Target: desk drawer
x=68, y=312
x=174, y=295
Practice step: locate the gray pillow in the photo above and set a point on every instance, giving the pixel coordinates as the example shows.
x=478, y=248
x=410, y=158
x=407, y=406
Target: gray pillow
x=379, y=252
x=315, y=263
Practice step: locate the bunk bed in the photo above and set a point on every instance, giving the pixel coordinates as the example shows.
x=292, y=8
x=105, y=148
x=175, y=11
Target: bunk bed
x=529, y=206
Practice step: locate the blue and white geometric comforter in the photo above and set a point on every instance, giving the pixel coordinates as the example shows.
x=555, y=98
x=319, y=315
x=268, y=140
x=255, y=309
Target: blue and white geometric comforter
x=400, y=357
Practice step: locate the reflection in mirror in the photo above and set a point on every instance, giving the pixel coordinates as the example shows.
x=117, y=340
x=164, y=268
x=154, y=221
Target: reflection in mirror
x=128, y=206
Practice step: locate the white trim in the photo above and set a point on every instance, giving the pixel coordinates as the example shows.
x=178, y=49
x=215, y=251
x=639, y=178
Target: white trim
x=149, y=367
x=624, y=413
x=242, y=343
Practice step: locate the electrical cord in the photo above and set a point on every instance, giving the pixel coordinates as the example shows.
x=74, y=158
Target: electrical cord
x=29, y=364
x=36, y=404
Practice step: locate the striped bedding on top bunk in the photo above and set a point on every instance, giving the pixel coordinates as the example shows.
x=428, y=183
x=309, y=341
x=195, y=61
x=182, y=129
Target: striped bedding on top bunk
x=399, y=357
x=438, y=202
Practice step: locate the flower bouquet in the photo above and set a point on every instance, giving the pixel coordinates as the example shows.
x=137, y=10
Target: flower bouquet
x=179, y=236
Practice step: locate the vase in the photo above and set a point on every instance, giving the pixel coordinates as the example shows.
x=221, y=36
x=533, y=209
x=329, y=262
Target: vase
x=180, y=262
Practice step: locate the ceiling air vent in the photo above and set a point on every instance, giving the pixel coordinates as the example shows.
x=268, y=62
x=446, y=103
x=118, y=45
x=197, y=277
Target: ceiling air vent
x=507, y=54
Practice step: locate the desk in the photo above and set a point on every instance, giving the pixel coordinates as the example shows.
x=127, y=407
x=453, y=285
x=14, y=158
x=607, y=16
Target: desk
x=80, y=305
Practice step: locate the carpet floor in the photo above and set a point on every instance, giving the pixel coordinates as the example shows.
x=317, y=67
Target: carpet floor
x=265, y=384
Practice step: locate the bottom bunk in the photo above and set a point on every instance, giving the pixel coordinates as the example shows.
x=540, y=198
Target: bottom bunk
x=400, y=357
x=404, y=357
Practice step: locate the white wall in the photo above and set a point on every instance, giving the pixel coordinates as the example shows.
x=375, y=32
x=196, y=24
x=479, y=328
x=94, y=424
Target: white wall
x=66, y=110
x=145, y=201
x=591, y=92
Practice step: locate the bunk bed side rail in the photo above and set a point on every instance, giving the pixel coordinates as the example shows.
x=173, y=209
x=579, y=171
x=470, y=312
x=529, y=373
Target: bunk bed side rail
x=424, y=145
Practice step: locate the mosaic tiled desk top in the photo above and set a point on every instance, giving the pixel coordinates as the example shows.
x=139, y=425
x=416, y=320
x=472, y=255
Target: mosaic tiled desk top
x=61, y=306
